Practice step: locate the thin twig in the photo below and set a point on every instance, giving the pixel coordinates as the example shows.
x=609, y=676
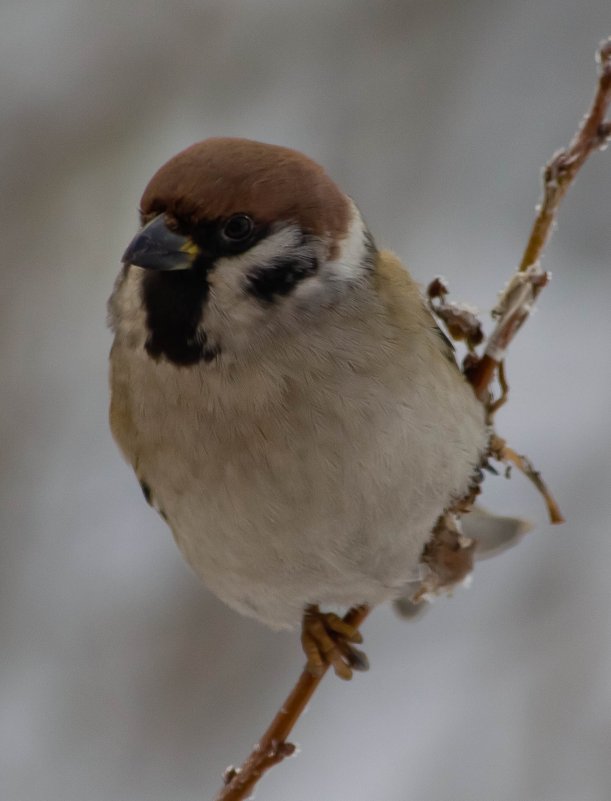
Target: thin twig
x=513, y=309
x=525, y=466
x=501, y=451
x=272, y=748
x=517, y=300
x=503, y=397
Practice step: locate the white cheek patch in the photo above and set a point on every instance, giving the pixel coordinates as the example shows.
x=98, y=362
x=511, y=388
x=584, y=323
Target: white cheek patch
x=230, y=273
x=232, y=313
x=228, y=279
x=271, y=248
x=279, y=283
x=352, y=250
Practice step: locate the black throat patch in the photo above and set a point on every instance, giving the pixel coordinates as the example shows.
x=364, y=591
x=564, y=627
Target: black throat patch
x=174, y=303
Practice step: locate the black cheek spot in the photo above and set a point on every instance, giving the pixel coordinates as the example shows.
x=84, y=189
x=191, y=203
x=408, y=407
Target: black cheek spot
x=279, y=278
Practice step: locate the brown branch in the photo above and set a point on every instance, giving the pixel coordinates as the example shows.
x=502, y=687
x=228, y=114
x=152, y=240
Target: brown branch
x=518, y=298
x=525, y=466
x=501, y=451
x=512, y=310
x=272, y=748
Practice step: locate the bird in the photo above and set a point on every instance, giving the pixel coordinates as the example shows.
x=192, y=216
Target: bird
x=283, y=393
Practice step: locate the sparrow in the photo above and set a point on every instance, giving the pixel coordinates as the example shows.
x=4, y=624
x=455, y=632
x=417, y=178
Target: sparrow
x=283, y=393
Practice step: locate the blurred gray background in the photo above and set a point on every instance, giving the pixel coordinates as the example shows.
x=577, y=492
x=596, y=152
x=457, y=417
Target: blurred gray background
x=122, y=679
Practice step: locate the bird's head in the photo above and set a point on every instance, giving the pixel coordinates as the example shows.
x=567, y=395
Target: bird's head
x=241, y=242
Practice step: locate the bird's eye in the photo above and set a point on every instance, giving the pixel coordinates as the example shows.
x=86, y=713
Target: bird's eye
x=238, y=228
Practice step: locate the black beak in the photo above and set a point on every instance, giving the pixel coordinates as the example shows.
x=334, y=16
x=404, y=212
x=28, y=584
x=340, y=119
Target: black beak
x=157, y=248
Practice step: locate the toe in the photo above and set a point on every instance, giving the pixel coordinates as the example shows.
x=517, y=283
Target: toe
x=339, y=626
x=327, y=640
x=316, y=664
x=322, y=649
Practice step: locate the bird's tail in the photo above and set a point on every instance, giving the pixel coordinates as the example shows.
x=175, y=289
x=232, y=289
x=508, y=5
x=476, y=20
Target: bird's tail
x=487, y=534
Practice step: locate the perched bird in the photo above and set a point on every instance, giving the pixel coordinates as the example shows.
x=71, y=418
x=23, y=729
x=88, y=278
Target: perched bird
x=282, y=391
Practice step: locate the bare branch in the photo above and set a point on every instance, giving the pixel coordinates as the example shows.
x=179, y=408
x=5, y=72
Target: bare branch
x=272, y=748
x=517, y=300
x=504, y=453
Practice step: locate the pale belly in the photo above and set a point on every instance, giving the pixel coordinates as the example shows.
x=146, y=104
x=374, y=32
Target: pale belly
x=297, y=509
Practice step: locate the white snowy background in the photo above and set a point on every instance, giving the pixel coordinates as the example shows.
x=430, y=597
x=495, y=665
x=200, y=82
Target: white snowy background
x=121, y=678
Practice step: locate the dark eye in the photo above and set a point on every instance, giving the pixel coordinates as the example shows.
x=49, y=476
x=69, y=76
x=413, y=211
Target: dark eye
x=238, y=228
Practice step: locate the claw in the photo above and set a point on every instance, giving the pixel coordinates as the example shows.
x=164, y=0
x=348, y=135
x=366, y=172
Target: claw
x=357, y=659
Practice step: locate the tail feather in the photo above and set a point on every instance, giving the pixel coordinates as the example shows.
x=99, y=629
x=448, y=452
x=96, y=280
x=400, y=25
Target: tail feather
x=492, y=535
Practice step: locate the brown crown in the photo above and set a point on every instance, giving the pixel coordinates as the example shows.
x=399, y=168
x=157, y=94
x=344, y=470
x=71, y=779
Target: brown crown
x=222, y=176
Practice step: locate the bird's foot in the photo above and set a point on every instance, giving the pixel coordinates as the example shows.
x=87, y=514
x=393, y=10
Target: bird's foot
x=328, y=640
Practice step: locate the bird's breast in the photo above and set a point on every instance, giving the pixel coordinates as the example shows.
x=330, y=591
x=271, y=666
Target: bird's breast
x=311, y=486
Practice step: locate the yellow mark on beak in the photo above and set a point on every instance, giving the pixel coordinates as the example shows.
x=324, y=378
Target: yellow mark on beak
x=190, y=248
